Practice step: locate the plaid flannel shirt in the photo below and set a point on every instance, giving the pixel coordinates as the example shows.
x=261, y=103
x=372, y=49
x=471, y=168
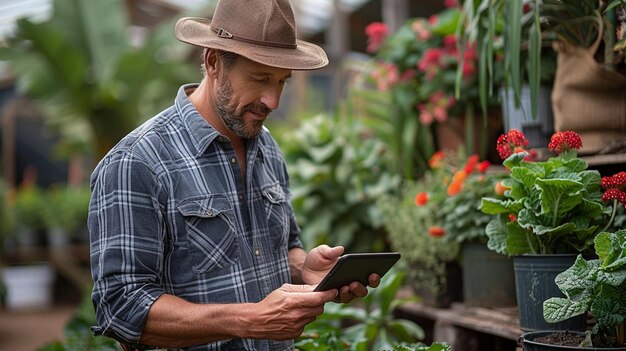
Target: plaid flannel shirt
x=170, y=213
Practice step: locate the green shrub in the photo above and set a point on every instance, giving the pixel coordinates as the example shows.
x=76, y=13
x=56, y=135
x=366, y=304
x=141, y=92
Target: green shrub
x=337, y=172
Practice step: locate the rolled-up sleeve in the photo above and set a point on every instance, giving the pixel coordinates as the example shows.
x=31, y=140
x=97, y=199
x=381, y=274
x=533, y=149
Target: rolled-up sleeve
x=126, y=226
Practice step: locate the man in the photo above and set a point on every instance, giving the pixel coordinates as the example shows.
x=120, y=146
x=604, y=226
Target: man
x=193, y=240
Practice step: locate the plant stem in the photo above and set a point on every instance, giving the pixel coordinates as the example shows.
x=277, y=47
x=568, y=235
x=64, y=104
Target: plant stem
x=612, y=216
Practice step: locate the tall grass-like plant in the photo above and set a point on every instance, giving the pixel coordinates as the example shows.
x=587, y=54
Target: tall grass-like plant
x=520, y=31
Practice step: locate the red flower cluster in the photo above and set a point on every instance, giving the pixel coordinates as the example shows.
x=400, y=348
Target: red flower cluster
x=376, y=35
x=512, y=142
x=563, y=141
x=615, y=187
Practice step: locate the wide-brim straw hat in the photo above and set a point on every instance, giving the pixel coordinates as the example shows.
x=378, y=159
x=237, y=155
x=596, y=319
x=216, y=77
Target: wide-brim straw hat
x=263, y=31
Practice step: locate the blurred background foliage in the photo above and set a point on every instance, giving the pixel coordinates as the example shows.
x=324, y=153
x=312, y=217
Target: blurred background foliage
x=91, y=82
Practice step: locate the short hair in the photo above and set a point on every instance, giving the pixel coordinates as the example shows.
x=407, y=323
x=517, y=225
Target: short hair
x=227, y=59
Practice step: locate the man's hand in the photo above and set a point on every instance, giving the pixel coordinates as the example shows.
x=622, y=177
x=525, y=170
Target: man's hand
x=283, y=314
x=320, y=260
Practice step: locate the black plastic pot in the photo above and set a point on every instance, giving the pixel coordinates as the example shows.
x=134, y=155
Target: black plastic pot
x=528, y=343
x=488, y=279
x=534, y=283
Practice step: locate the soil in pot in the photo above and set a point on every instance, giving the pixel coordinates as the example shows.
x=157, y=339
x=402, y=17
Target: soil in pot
x=562, y=339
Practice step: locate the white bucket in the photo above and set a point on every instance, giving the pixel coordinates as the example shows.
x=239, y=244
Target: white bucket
x=28, y=287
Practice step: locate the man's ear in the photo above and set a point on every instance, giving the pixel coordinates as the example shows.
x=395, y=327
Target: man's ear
x=210, y=63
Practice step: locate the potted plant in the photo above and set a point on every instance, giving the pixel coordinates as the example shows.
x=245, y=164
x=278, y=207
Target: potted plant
x=488, y=279
x=553, y=210
x=597, y=286
x=432, y=219
x=28, y=283
x=63, y=219
x=432, y=266
x=417, y=66
x=589, y=39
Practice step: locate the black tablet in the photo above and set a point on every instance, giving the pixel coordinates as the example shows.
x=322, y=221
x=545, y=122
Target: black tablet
x=357, y=267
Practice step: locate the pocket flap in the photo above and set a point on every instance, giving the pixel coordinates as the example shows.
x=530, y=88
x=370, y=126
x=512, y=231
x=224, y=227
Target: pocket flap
x=274, y=193
x=204, y=206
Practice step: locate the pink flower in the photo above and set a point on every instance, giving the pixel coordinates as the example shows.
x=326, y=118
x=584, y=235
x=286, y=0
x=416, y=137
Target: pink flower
x=468, y=69
x=430, y=62
x=386, y=75
x=421, y=31
x=449, y=41
x=450, y=3
x=407, y=75
x=376, y=35
x=433, y=19
x=426, y=117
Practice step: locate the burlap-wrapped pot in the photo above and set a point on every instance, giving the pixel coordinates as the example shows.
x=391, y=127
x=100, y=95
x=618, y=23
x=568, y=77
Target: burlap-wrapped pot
x=587, y=98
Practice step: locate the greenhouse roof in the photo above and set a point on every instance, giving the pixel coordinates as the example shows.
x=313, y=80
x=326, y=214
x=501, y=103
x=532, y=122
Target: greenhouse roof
x=312, y=15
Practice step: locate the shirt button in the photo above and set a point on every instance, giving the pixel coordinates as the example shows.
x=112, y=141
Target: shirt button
x=257, y=252
x=233, y=160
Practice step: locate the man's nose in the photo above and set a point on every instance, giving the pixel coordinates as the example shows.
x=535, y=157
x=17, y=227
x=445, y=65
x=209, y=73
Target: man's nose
x=271, y=96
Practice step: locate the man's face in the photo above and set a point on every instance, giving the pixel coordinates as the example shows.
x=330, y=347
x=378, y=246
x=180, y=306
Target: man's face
x=247, y=93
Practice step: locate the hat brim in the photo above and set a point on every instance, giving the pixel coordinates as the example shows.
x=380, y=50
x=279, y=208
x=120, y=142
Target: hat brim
x=306, y=56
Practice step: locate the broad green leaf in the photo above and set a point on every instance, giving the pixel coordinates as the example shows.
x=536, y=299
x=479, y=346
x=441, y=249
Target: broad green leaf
x=514, y=160
x=577, y=282
x=606, y=308
x=557, y=309
x=559, y=196
x=497, y=236
x=526, y=177
x=613, y=278
x=592, y=209
x=410, y=329
x=517, y=239
x=496, y=206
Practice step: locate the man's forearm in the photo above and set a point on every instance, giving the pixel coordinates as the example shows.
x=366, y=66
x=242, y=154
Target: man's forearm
x=175, y=323
x=296, y=261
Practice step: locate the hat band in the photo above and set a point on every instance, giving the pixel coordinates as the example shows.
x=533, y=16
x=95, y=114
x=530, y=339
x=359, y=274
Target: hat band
x=222, y=33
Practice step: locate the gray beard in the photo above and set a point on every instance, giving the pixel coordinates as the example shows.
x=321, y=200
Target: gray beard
x=231, y=117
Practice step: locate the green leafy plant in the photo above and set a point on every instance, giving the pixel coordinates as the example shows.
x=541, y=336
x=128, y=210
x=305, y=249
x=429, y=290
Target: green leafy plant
x=91, y=83
x=67, y=207
x=28, y=206
x=371, y=327
x=7, y=220
x=337, y=172
x=551, y=206
x=598, y=286
x=459, y=213
x=415, y=232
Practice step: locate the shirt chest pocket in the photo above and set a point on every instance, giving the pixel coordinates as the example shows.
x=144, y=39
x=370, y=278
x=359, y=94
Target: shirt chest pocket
x=277, y=213
x=211, y=233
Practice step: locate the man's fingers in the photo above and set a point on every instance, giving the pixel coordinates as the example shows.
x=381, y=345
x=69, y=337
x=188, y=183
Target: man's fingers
x=374, y=280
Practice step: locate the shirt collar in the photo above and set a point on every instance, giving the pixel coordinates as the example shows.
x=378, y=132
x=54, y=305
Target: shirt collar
x=202, y=134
